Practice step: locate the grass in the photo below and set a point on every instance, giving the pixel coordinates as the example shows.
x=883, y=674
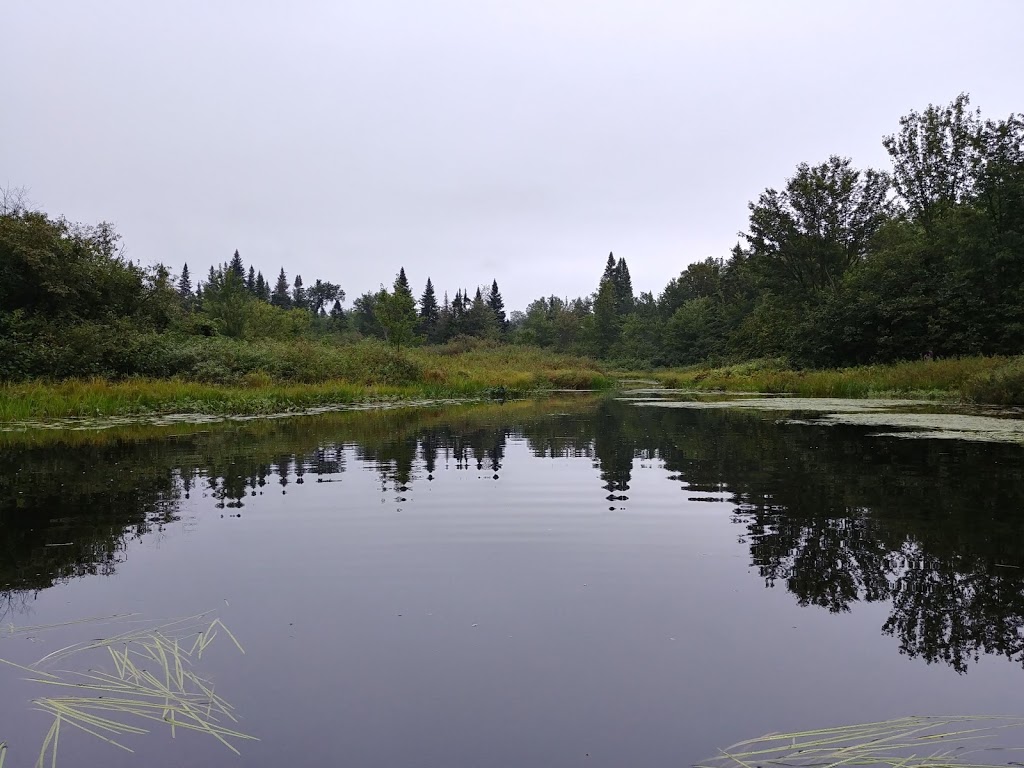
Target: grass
x=429, y=373
x=907, y=742
x=152, y=681
x=997, y=380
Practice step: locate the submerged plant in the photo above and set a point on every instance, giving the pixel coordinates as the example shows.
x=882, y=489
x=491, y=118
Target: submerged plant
x=906, y=742
x=152, y=680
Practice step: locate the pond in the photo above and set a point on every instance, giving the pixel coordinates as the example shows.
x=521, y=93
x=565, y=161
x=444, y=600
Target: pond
x=578, y=581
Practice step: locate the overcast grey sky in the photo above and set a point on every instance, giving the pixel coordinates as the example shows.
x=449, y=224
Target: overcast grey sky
x=467, y=140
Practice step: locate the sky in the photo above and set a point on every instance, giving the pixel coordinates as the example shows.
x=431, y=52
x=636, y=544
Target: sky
x=466, y=140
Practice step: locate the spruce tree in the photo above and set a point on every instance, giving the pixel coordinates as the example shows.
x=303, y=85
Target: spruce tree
x=262, y=288
x=497, y=305
x=281, y=297
x=237, y=267
x=624, y=300
x=402, y=282
x=606, y=319
x=429, y=312
x=443, y=331
x=299, y=300
x=250, y=281
x=479, y=319
x=609, y=268
x=185, y=284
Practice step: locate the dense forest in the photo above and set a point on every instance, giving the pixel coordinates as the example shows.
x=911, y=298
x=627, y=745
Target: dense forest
x=840, y=266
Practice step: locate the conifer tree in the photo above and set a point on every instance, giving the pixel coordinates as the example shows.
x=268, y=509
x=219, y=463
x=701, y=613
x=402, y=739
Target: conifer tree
x=444, y=321
x=185, y=284
x=250, y=281
x=402, y=282
x=479, y=319
x=429, y=312
x=281, y=297
x=299, y=300
x=237, y=267
x=624, y=301
x=609, y=268
x=606, y=319
x=262, y=288
x=497, y=305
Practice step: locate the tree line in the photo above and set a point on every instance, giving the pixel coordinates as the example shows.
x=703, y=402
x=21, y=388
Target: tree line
x=838, y=266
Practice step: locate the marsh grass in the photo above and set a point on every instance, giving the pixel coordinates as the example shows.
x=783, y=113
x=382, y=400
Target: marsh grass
x=432, y=373
x=907, y=742
x=132, y=680
x=973, y=379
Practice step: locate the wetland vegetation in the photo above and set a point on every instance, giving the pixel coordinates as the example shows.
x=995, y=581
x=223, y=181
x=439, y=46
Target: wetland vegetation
x=849, y=282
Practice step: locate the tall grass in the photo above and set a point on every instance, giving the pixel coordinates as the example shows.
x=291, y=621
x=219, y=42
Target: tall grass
x=244, y=385
x=974, y=379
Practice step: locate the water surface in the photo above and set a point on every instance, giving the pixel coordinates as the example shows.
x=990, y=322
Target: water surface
x=582, y=581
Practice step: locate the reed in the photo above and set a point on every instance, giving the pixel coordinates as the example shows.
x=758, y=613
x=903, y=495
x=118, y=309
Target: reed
x=511, y=371
x=152, y=681
x=907, y=742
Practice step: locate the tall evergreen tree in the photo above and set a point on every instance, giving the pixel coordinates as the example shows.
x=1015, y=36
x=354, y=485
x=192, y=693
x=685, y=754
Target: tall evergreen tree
x=429, y=312
x=606, y=319
x=402, y=282
x=185, y=284
x=262, y=288
x=237, y=267
x=624, y=300
x=299, y=299
x=609, y=268
x=281, y=297
x=497, y=305
x=250, y=281
x=479, y=319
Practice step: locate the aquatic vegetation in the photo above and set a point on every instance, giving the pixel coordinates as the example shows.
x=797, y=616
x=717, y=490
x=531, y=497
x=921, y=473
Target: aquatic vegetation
x=906, y=742
x=905, y=417
x=152, y=679
x=254, y=388
x=974, y=379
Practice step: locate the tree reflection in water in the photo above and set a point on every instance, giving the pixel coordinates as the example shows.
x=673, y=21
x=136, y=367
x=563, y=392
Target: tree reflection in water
x=931, y=527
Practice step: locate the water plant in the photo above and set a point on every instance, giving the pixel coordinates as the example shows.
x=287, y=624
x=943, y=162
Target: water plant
x=905, y=742
x=133, y=679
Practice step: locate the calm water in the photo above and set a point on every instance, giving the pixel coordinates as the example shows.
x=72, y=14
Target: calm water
x=581, y=582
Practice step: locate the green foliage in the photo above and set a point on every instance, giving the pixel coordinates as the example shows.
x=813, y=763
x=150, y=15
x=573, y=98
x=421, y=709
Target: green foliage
x=226, y=301
x=396, y=313
x=840, y=267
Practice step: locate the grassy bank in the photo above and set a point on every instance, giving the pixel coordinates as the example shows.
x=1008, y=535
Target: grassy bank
x=251, y=380
x=998, y=380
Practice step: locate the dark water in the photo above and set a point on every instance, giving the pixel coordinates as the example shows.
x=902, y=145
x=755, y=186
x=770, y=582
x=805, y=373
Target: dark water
x=579, y=582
